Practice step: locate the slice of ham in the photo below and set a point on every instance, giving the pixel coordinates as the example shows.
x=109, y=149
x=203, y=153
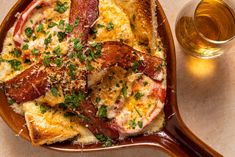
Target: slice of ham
x=96, y=125
x=124, y=55
x=87, y=12
x=28, y=85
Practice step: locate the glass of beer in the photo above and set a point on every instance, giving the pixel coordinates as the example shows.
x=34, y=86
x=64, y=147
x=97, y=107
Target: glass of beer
x=206, y=28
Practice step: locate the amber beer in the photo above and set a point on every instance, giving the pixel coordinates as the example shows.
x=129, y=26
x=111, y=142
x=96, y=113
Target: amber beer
x=206, y=32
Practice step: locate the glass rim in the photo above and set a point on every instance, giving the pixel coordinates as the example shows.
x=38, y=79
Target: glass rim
x=203, y=36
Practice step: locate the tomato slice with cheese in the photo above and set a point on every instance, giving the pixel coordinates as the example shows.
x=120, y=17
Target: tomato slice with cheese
x=23, y=19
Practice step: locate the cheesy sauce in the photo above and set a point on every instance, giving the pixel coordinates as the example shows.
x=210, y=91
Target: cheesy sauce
x=113, y=24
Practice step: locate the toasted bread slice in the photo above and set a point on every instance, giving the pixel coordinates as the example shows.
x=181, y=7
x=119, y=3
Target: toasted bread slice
x=52, y=126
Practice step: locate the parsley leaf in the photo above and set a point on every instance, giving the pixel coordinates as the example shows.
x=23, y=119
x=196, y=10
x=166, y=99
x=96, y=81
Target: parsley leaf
x=16, y=53
x=73, y=101
x=35, y=51
x=140, y=124
x=132, y=124
x=28, y=32
x=40, y=28
x=138, y=95
x=57, y=50
x=135, y=66
x=61, y=7
x=48, y=40
x=68, y=28
x=58, y=62
x=43, y=109
x=102, y=113
x=46, y=60
x=124, y=91
x=51, y=24
x=72, y=71
x=54, y=91
x=110, y=26
x=61, y=36
x=25, y=47
x=105, y=140
x=97, y=100
x=15, y=64
x=11, y=101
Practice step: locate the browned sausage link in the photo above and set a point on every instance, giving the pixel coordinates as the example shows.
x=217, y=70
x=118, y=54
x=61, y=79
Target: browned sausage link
x=95, y=124
x=87, y=12
x=123, y=55
x=28, y=85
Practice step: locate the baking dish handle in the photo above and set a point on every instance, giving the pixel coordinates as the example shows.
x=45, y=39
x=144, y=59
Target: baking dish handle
x=177, y=140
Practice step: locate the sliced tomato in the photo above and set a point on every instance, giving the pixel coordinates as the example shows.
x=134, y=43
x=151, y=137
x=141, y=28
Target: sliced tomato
x=17, y=35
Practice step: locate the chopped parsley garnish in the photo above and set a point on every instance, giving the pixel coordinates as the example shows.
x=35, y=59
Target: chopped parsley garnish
x=102, y=113
x=100, y=25
x=140, y=124
x=93, y=31
x=132, y=124
x=34, y=37
x=84, y=118
x=47, y=60
x=77, y=21
x=72, y=71
x=77, y=44
x=98, y=49
x=146, y=83
x=91, y=55
x=138, y=96
x=61, y=24
x=110, y=26
x=51, y=24
x=16, y=53
x=15, y=64
x=35, y=51
x=81, y=57
x=135, y=66
x=105, y=140
x=43, y=109
x=89, y=66
x=40, y=28
x=11, y=101
x=57, y=50
x=54, y=91
x=48, y=40
x=124, y=91
x=61, y=7
x=58, y=62
x=69, y=28
x=97, y=100
x=73, y=101
x=164, y=64
x=28, y=32
x=61, y=36
x=25, y=47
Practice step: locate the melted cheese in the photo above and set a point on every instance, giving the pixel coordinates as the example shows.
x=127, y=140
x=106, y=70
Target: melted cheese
x=41, y=16
x=52, y=126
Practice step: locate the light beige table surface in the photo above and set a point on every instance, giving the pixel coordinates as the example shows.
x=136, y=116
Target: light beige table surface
x=206, y=98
